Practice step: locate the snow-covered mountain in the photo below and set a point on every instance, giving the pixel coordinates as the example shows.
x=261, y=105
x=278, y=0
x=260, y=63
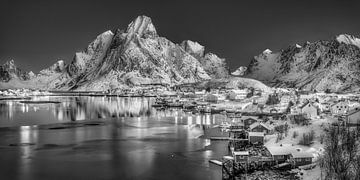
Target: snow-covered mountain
x=322, y=65
x=138, y=56
x=132, y=57
x=10, y=71
x=13, y=77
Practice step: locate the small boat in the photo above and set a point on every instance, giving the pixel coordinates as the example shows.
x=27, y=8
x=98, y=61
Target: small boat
x=216, y=162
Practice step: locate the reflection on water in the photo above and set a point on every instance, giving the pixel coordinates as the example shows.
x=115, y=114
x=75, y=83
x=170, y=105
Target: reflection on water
x=15, y=113
x=135, y=140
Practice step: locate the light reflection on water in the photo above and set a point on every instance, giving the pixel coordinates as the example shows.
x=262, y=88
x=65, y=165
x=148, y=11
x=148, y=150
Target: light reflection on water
x=137, y=141
x=15, y=113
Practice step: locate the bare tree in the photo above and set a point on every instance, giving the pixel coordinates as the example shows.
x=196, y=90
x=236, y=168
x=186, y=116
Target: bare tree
x=339, y=161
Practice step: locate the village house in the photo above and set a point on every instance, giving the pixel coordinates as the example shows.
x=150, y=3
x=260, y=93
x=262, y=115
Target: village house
x=256, y=137
x=260, y=127
x=238, y=94
x=300, y=158
x=353, y=117
x=339, y=108
x=248, y=121
x=281, y=154
x=310, y=110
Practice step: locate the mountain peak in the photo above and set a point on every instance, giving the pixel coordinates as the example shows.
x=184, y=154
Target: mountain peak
x=142, y=26
x=267, y=51
x=348, y=39
x=194, y=48
x=10, y=64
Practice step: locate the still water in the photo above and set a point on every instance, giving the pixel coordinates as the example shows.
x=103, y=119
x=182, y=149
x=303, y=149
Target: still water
x=105, y=138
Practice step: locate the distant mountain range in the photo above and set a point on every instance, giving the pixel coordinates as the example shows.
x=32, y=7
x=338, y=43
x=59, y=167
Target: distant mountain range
x=326, y=65
x=139, y=56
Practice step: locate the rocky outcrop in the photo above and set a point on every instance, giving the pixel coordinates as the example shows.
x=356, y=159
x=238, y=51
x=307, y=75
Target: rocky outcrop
x=322, y=65
x=241, y=71
x=86, y=60
x=193, y=48
x=10, y=71
x=213, y=65
x=216, y=67
x=348, y=39
x=58, y=67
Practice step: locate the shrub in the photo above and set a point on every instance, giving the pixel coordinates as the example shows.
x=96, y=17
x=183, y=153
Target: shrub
x=307, y=138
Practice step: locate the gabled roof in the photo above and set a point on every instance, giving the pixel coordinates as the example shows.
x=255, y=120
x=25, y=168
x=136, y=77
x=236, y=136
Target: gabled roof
x=255, y=124
x=302, y=106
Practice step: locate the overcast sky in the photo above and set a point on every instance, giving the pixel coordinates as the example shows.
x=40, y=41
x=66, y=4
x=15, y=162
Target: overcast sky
x=37, y=33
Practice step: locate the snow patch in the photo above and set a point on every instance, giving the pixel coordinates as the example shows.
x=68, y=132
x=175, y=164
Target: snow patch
x=348, y=39
x=267, y=51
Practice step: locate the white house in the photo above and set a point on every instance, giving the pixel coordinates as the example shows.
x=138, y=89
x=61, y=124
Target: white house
x=339, y=108
x=310, y=110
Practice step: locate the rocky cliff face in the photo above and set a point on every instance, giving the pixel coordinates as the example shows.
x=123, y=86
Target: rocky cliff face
x=58, y=67
x=213, y=65
x=10, y=71
x=322, y=65
x=138, y=56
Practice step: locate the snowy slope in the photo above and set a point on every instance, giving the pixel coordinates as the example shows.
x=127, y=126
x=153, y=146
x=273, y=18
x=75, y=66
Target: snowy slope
x=322, y=65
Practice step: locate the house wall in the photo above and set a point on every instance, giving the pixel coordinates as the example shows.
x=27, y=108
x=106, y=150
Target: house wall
x=339, y=108
x=354, y=118
x=301, y=161
x=280, y=158
x=310, y=111
x=255, y=139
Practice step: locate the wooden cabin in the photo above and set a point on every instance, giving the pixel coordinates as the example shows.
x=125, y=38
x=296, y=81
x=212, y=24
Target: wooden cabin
x=260, y=127
x=301, y=158
x=256, y=137
x=281, y=154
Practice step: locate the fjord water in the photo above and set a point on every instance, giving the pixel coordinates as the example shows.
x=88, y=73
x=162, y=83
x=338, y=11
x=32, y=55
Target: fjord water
x=104, y=138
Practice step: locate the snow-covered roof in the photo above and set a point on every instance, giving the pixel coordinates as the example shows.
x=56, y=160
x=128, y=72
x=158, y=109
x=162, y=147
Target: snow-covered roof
x=281, y=150
x=241, y=153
